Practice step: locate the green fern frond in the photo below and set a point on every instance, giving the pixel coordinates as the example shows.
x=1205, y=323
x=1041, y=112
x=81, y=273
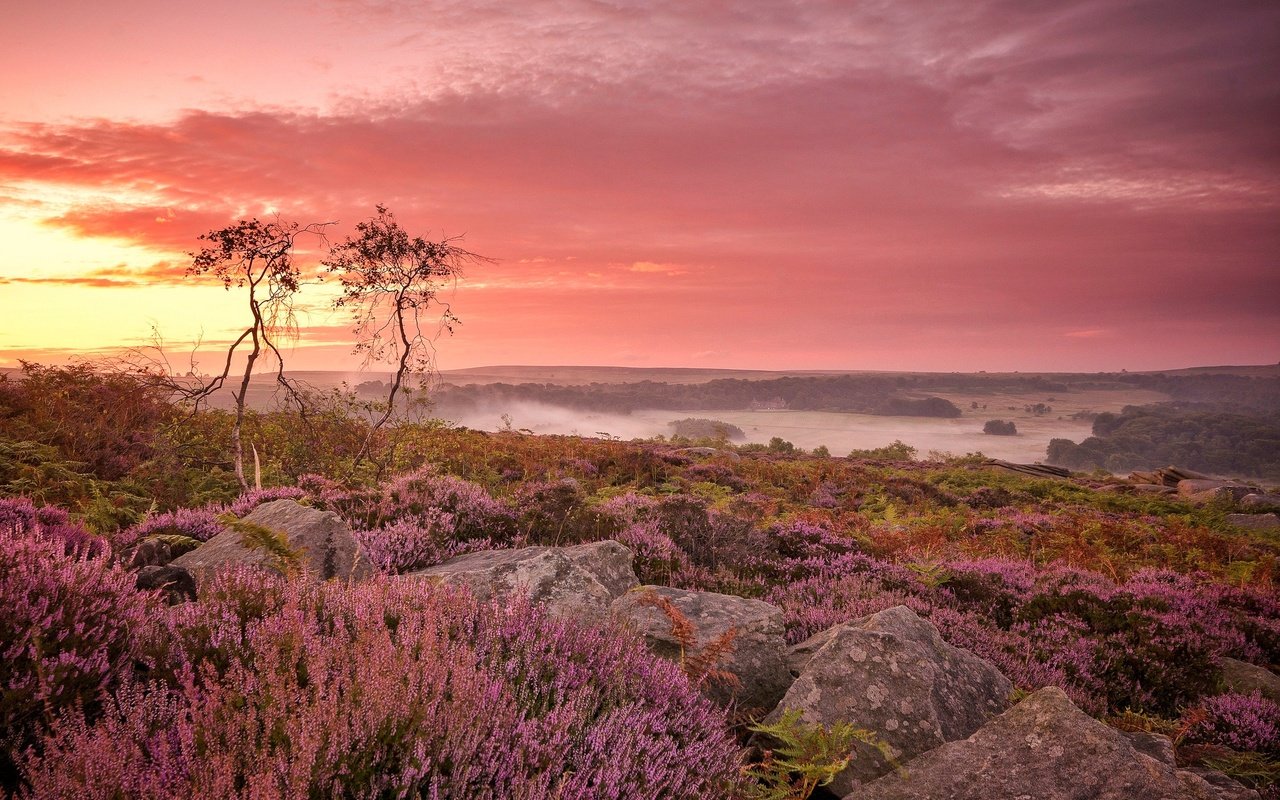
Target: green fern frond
x=283, y=557
x=805, y=755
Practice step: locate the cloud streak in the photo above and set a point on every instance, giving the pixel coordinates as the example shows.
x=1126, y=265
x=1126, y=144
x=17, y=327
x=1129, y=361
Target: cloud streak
x=894, y=172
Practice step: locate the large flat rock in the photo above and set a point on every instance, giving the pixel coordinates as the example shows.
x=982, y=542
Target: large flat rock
x=1242, y=677
x=582, y=580
x=1044, y=748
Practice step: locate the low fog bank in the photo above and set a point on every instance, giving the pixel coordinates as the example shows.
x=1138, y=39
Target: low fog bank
x=839, y=432
x=548, y=419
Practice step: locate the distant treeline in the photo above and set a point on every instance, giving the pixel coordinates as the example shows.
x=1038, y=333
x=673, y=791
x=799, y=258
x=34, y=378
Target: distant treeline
x=855, y=393
x=1199, y=437
x=896, y=395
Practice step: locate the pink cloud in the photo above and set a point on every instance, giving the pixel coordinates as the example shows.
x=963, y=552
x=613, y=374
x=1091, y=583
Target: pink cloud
x=937, y=185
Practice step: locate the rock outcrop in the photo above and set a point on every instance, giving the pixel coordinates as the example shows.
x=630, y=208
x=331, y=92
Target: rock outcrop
x=1043, y=748
x=1205, y=490
x=892, y=673
x=177, y=583
x=582, y=580
x=1255, y=522
x=324, y=542
x=1260, y=501
x=1242, y=677
x=759, y=655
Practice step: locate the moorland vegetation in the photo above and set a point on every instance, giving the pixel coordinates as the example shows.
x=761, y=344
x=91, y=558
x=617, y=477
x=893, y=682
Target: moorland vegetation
x=290, y=687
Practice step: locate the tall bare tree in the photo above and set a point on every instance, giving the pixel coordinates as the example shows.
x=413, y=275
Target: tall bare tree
x=391, y=284
x=257, y=256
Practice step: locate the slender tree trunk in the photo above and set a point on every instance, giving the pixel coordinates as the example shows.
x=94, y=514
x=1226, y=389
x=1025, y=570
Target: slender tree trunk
x=402, y=368
x=237, y=443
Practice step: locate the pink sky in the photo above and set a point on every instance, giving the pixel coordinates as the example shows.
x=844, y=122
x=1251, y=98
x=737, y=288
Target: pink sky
x=829, y=185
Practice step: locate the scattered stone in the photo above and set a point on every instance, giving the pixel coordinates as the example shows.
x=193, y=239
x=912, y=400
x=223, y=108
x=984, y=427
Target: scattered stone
x=1205, y=490
x=1155, y=745
x=323, y=540
x=150, y=553
x=1115, y=488
x=1242, y=677
x=758, y=658
x=1224, y=786
x=582, y=580
x=709, y=452
x=891, y=673
x=156, y=551
x=1255, y=522
x=1154, y=488
x=1168, y=476
x=176, y=582
x=1043, y=748
x=1034, y=470
x=1261, y=502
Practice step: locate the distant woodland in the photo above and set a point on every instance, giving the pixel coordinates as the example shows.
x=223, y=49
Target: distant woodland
x=853, y=393
x=1204, y=437
x=894, y=395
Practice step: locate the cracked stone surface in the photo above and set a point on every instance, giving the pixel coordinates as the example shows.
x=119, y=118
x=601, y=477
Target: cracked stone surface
x=1044, y=748
x=327, y=546
x=582, y=580
x=892, y=673
x=758, y=658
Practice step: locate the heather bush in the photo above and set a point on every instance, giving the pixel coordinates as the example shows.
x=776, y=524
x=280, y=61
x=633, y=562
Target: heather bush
x=200, y=524
x=408, y=545
x=1238, y=721
x=421, y=497
x=557, y=513
x=253, y=498
x=20, y=517
x=71, y=628
x=394, y=689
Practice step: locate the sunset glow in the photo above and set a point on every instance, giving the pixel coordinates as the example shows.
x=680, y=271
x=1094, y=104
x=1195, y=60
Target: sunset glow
x=818, y=185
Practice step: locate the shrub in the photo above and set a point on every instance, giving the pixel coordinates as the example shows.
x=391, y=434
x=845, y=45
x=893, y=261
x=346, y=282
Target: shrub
x=408, y=545
x=394, y=689
x=71, y=627
x=1000, y=427
x=201, y=524
x=19, y=517
x=1237, y=721
x=253, y=498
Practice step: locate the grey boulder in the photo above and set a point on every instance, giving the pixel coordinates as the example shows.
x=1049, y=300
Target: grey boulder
x=1242, y=677
x=582, y=580
x=1206, y=489
x=1261, y=502
x=892, y=673
x=758, y=655
x=1044, y=748
x=324, y=542
x=1255, y=522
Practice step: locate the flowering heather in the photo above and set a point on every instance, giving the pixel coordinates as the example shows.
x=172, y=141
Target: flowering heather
x=657, y=557
x=253, y=498
x=399, y=689
x=628, y=508
x=200, y=524
x=421, y=497
x=70, y=631
x=19, y=517
x=1239, y=721
x=408, y=545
